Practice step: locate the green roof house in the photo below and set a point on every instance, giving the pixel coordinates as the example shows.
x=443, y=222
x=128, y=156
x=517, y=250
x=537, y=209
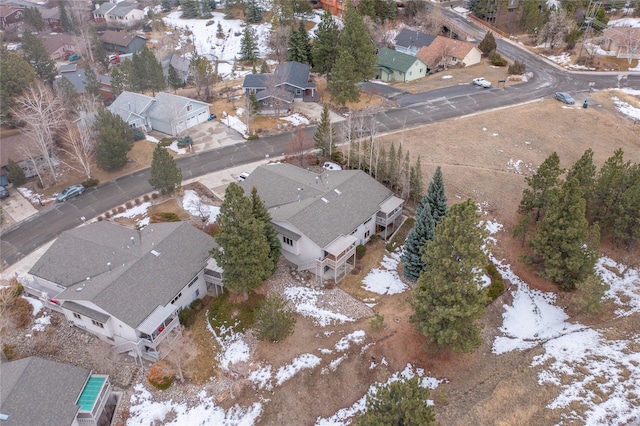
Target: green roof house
x=396, y=66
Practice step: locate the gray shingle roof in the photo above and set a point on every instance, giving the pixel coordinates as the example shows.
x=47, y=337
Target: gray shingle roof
x=78, y=79
x=168, y=107
x=294, y=73
x=407, y=38
x=131, y=103
x=255, y=81
x=393, y=60
x=122, y=9
x=139, y=281
x=35, y=391
x=357, y=198
x=104, y=8
x=118, y=38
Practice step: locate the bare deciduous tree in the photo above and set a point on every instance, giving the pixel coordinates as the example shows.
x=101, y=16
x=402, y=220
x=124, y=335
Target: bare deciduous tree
x=279, y=42
x=79, y=142
x=300, y=144
x=181, y=350
x=42, y=114
x=556, y=29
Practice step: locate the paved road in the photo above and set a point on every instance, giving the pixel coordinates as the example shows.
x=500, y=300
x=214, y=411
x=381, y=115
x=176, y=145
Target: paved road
x=416, y=110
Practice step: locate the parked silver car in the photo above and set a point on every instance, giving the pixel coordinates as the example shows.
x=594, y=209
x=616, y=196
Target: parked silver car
x=565, y=97
x=69, y=192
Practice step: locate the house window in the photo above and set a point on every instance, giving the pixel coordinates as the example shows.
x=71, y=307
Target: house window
x=97, y=324
x=367, y=221
x=192, y=281
x=287, y=241
x=175, y=299
x=189, y=107
x=420, y=70
x=77, y=315
x=454, y=59
x=410, y=72
x=366, y=234
x=196, y=294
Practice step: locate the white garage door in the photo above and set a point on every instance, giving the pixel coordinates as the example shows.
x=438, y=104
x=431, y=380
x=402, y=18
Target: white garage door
x=191, y=121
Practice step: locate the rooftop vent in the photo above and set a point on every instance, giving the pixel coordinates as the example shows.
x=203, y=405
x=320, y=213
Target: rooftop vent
x=337, y=191
x=324, y=200
x=155, y=253
x=133, y=241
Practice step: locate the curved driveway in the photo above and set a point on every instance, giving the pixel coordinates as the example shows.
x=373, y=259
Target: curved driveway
x=416, y=110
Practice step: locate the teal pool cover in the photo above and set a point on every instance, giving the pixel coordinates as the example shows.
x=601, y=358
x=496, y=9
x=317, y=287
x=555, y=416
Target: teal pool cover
x=90, y=393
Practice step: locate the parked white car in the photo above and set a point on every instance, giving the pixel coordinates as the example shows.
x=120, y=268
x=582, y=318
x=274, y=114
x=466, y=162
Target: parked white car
x=328, y=165
x=480, y=81
x=243, y=176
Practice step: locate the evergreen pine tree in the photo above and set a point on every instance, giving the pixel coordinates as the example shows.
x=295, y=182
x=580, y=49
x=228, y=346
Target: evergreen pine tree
x=155, y=75
x=584, y=171
x=65, y=20
x=423, y=231
x=65, y=91
x=173, y=79
x=190, y=9
x=228, y=9
x=415, y=182
x=254, y=12
x=297, y=45
x=305, y=44
x=403, y=402
x=114, y=140
x=381, y=172
x=273, y=320
x=488, y=44
x=167, y=5
x=118, y=80
x=562, y=243
x=33, y=17
x=248, y=45
x=15, y=76
x=609, y=188
x=436, y=196
x=542, y=184
x=205, y=9
x=99, y=52
x=15, y=174
x=449, y=301
x=398, y=177
x=166, y=177
x=264, y=67
x=36, y=55
x=344, y=78
x=91, y=83
x=324, y=136
x=243, y=252
x=219, y=31
x=261, y=213
x=625, y=216
x=367, y=8
x=324, y=48
x=356, y=39
x=253, y=103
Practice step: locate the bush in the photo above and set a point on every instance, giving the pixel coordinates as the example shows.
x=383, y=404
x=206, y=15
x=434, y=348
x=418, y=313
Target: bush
x=496, y=59
x=129, y=204
x=137, y=201
x=377, y=323
x=164, y=217
x=20, y=312
x=90, y=183
x=146, y=197
x=360, y=251
x=165, y=142
x=15, y=174
x=253, y=137
x=517, y=68
x=187, y=317
x=9, y=351
x=137, y=134
x=154, y=196
x=160, y=375
x=212, y=229
x=107, y=215
x=121, y=209
x=337, y=157
x=273, y=321
x=197, y=305
x=185, y=141
x=496, y=287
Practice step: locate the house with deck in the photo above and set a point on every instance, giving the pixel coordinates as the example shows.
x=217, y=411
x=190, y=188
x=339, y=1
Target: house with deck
x=166, y=112
x=122, y=42
x=59, y=45
x=10, y=14
x=126, y=286
x=320, y=218
x=288, y=83
x=397, y=66
x=78, y=79
x=37, y=391
x=122, y=14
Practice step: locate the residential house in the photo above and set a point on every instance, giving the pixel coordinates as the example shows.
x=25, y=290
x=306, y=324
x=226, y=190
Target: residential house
x=321, y=218
x=57, y=45
x=10, y=148
x=446, y=52
x=124, y=14
x=78, y=79
x=336, y=7
x=289, y=82
x=122, y=42
x=126, y=286
x=179, y=63
x=166, y=112
x=624, y=42
x=10, y=14
x=396, y=66
x=51, y=17
x=409, y=41
x=37, y=391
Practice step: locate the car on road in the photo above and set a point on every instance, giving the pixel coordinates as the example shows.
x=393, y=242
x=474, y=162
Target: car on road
x=480, y=81
x=69, y=192
x=3, y=193
x=565, y=97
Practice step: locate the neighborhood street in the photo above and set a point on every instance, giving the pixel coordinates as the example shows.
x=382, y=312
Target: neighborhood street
x=415, y=110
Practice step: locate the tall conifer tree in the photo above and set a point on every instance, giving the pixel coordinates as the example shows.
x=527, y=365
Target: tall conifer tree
x=412, y=254
x=261, y=213
x=166, y=177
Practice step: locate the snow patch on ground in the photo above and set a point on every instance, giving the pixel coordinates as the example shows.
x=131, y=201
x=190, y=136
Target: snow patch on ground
x=305, y=302
x=193, y=205
x=385, y=280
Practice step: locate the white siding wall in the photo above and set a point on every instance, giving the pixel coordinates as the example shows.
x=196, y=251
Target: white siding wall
x=188, y=293
x=104, y=333
x=361, y=231
x=473, y=57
